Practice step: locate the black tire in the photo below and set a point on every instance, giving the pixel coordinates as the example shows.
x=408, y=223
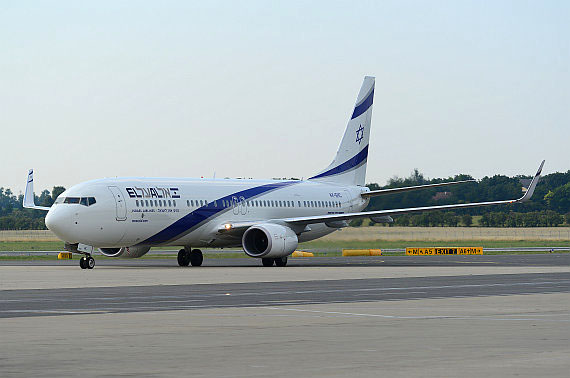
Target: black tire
x=82, y=263
x=281, y=261
x=183, y=258
x=268, y=261
x=196, y=257
x=90, y=262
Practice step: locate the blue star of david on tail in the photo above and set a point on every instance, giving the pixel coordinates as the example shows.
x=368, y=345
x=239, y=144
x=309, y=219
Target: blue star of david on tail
x=360, y=134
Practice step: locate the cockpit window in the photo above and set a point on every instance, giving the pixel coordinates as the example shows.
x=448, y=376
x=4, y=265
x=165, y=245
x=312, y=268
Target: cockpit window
x=85, y=201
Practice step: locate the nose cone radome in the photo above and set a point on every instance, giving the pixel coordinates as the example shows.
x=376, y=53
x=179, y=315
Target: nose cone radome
x=58, y=221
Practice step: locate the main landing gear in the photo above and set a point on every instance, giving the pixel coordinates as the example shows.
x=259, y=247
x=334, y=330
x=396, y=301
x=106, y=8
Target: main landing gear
x=87, y=262
x=279, y=261
x=193, y=257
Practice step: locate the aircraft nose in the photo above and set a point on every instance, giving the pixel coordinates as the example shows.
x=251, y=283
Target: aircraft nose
x=58, y=222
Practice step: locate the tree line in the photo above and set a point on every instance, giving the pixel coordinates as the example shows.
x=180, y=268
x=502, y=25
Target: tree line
x=550, y=204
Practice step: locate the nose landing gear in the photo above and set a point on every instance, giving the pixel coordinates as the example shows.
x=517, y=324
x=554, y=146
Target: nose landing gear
x=87, y=262
x=193, y=257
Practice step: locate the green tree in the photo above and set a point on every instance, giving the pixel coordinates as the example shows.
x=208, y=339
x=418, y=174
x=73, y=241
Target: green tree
x=467, y=220
x=559, y=199
x=56, y=191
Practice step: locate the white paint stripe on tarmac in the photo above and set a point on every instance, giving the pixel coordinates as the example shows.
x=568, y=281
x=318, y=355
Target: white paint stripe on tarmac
x=452, y=317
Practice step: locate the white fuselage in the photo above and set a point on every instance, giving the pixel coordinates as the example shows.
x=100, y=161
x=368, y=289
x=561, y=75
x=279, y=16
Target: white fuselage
x=189, y=212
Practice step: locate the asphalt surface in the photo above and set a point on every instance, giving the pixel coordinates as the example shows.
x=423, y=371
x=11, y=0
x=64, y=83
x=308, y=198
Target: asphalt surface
x=397, y=316
x=17, y=303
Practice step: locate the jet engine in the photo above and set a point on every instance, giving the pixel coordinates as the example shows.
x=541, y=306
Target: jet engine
x=269, y=240
x=125, y=252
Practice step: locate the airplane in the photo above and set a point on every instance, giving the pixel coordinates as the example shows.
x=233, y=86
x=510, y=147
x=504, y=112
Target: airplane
x=126, y=217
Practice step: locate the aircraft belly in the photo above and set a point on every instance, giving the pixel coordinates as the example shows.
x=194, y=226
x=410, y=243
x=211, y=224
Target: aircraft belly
x=318, y=230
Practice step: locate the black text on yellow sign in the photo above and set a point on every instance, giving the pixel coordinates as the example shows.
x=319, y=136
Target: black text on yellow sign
x=444, y=251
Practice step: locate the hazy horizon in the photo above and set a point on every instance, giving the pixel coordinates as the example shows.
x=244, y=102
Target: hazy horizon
x=262, y=90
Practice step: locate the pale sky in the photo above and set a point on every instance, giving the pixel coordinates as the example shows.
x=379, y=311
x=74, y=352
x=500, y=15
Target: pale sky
x=264, y=89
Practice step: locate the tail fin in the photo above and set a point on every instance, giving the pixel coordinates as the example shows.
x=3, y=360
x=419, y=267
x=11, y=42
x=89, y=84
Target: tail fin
x=349, y=164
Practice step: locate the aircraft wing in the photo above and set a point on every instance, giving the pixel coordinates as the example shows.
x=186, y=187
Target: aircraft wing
x=29, y=194
x=300, y=221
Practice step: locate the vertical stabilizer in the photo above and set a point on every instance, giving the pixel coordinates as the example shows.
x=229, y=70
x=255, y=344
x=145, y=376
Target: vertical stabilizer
x=349, y=164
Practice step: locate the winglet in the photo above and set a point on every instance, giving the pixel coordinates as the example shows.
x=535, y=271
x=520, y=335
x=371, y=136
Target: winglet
x=532, y=185
x=29, y=194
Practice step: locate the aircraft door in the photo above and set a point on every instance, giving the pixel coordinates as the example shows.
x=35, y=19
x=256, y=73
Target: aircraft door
x=120, y=204
x=243, y=205
x=348, y=201
x=235, y=205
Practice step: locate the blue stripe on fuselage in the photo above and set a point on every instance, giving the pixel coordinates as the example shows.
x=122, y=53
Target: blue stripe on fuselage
x=364, y=105
x=198, y=216
x=352, y=163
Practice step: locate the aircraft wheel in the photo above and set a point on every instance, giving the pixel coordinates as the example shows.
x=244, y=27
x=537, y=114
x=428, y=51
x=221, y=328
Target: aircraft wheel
x=196, y=257
x=90, y=262
x=281, y=261
x=183, y=258
x=267, y=261
x=83, y=263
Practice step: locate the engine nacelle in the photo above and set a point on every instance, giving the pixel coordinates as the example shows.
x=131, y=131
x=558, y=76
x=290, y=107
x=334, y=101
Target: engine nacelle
x=125, y=252
x=269, y=240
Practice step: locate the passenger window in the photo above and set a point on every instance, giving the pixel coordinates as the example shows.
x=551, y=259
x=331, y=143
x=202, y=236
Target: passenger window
x=169, y=203
x=174, y=203
x=187, y=203
x=137, y=202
